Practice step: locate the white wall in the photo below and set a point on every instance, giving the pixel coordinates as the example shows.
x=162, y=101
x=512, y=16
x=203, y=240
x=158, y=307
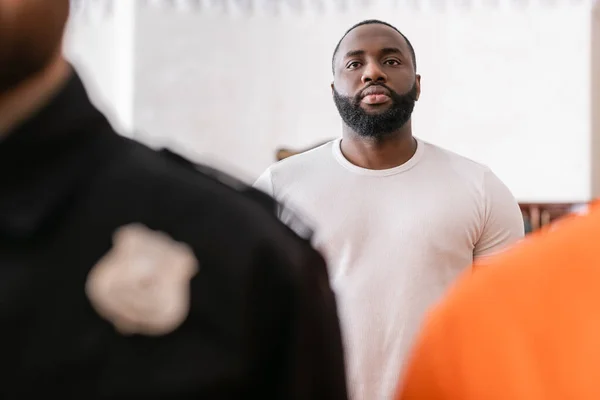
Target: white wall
x=507, y=85
x=595, y=108
x=513, y=90
x=99, y=42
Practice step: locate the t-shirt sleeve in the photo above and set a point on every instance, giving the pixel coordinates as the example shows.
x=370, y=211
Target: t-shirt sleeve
x=264, y=183
x=503, y=222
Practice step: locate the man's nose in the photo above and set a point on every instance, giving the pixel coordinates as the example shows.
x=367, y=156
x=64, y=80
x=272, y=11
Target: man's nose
x=373, y=73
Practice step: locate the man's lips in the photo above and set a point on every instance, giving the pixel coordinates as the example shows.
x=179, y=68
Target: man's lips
x=376, y=99
x=375, y=95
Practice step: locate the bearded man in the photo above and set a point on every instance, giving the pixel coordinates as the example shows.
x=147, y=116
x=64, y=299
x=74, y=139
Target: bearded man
x=397, y=218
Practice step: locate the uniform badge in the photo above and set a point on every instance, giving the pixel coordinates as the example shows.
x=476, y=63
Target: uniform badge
x=142, y=285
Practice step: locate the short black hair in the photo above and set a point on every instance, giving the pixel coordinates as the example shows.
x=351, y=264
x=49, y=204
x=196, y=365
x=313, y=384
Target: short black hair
x=370, y=22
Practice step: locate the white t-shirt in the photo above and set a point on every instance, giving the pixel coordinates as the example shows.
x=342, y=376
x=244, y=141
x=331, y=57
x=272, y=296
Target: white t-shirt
x=394, y=241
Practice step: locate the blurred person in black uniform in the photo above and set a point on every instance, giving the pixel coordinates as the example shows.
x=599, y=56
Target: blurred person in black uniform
x=127, y=273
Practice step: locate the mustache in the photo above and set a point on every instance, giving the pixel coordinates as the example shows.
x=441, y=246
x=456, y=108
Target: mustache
x=357, y=98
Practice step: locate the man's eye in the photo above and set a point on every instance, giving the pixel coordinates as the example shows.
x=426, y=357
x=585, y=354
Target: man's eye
x=353, y=65
x=392, y=62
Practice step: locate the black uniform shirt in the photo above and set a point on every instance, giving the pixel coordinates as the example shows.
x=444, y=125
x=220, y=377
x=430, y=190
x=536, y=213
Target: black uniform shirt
x=263, y=321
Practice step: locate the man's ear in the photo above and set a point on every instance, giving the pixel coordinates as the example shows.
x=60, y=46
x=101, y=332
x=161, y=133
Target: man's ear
x=418, y=86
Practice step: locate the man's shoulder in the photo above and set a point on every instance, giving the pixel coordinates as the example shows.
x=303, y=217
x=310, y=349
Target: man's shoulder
x=304, y=161
x=452, y=165
x=253, y=269
x=173, y=186
x=300, y=170
x=453, y=159
x=177, y=174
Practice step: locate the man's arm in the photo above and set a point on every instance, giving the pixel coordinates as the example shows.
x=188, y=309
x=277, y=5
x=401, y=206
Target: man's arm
x=503, y=221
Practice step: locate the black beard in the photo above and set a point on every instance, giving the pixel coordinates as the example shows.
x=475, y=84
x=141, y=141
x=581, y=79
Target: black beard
x=377, y=126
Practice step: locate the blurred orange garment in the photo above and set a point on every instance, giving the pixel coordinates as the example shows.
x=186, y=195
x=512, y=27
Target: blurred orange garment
x=524, y=326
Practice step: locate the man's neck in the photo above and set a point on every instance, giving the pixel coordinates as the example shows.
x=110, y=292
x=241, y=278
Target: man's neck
x=21, y=102
x=376, y=154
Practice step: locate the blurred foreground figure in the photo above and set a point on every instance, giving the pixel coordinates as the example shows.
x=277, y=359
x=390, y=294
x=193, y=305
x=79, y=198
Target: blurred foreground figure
x=126, y=273
x=524, y=326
